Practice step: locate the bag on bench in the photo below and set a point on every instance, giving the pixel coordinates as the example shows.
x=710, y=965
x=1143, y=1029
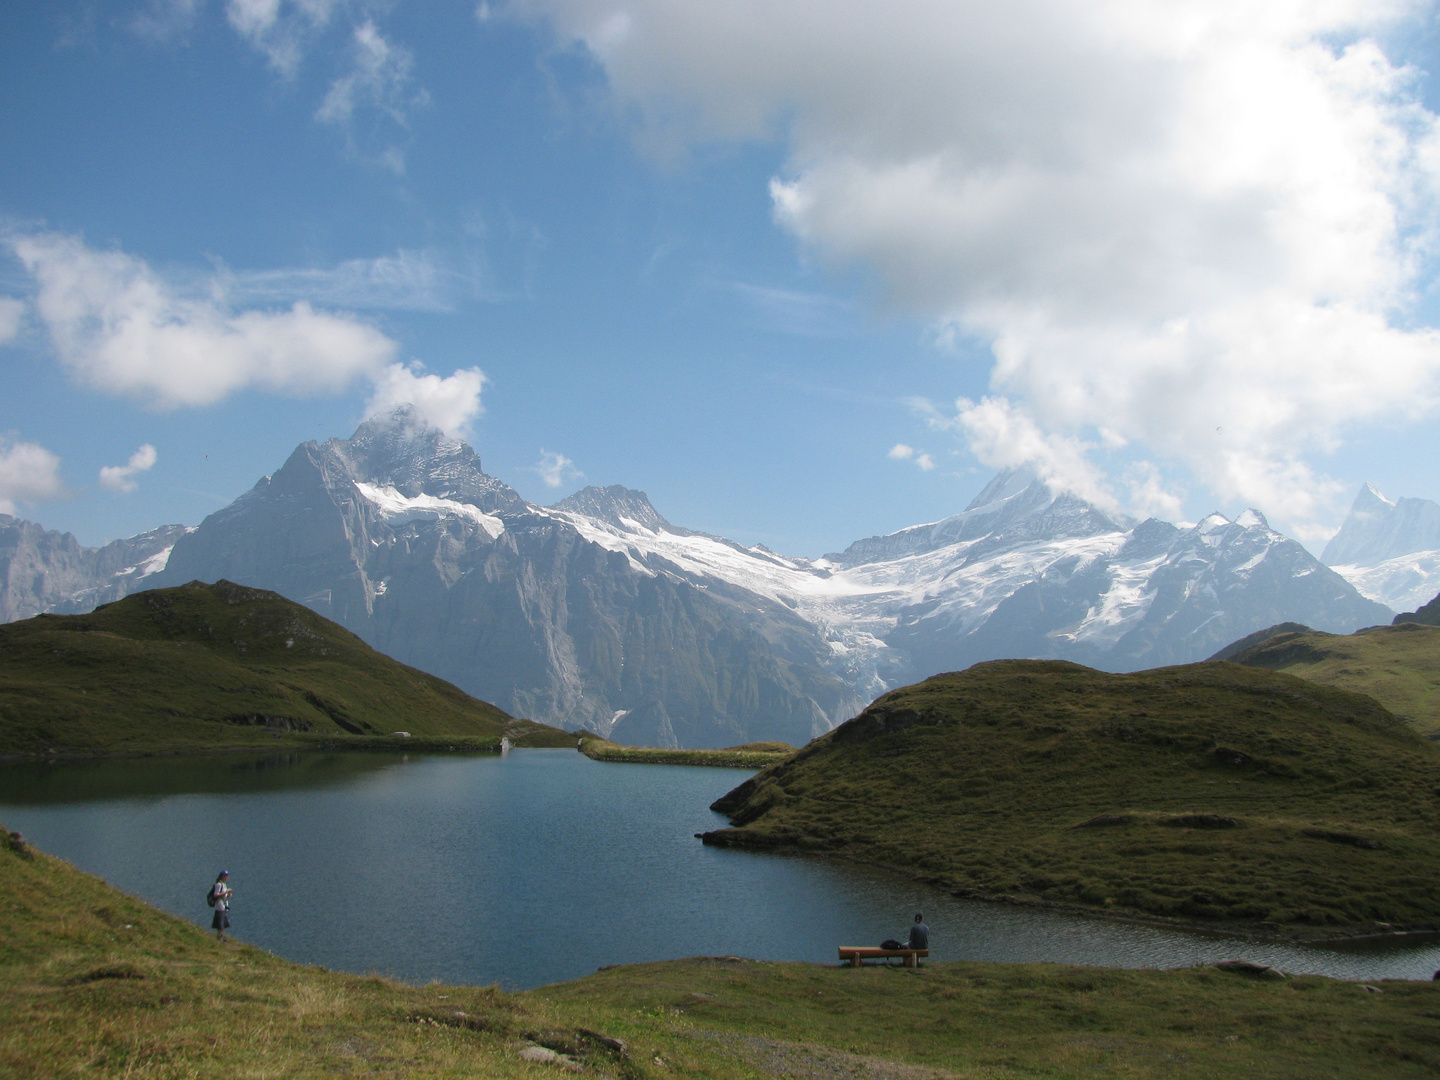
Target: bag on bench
x=891, y=943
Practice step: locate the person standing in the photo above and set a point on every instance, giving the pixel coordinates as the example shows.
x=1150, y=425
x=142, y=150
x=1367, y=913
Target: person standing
x=220, y=901
x=919, y=933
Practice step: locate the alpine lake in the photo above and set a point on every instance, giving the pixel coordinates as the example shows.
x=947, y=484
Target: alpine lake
x=536, y=867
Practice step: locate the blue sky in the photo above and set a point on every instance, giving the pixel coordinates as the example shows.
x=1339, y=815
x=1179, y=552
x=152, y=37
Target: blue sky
x=802, y=280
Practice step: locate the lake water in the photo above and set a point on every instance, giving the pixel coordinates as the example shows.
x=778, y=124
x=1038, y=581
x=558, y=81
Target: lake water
x=534, y=868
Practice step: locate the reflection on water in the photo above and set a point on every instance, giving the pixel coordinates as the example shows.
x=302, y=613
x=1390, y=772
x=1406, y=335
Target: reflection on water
x=534, y=868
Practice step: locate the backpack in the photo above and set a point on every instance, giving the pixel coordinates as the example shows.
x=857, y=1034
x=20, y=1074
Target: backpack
x=891, y=943
x=210, y=896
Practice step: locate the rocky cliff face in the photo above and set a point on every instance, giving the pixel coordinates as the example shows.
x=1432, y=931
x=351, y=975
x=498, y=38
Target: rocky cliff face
x=398, y=535
x=43, y=570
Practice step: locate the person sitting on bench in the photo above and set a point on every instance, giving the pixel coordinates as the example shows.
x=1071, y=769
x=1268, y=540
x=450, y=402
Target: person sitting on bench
x=919, y=933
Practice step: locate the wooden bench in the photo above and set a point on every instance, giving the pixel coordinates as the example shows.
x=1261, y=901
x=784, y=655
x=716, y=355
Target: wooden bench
x=856, y=953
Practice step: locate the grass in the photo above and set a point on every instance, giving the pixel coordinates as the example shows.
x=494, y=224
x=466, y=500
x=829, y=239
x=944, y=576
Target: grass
x=214, y=667
x=755, y=755
x=1399, y=666
x=1211, y=793
x=97, y=984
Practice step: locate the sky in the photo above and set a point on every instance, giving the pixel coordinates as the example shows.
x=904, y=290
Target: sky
x=804, y=273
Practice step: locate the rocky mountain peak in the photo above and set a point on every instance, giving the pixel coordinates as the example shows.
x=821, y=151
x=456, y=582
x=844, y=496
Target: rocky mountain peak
x=615, y=505
x=402, y=450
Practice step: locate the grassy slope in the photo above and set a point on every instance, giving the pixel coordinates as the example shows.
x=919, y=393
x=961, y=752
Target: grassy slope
x=981, y=781
x=164, y=670
x=1399, y=666
x=94, y=983
x=746, y=756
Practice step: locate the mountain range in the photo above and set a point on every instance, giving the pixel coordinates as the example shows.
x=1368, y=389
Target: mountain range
x=597, y=612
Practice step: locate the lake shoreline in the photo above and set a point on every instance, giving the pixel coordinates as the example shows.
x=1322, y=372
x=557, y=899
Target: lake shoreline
x=98, y=979
x=1258, y=932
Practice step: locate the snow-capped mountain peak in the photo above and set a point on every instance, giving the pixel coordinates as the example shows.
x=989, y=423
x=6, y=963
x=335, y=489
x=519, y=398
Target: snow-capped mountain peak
x=618, y=506
x=400, y=450
x=1389, y=550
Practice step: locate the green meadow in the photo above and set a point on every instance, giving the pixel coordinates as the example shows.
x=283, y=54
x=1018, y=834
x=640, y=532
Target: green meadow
x=94, y=983
x=1211, y=793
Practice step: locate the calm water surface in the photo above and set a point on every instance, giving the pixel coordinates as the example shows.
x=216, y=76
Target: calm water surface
x=534, y=868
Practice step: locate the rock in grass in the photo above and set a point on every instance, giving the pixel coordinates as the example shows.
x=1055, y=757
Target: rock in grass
x=1251, y=968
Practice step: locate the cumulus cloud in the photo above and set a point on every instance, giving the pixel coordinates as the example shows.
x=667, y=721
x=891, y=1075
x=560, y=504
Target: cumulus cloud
x=120, y=327
x=1163, y=217
x=12, y=311
x=901, y=452
x=556, y=469
x=1004, y=436
x=450, y=403
x=122, y=477
x=28, y=473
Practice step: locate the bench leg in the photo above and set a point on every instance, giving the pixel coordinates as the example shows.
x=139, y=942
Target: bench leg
x=911, y=960
x=855, y=960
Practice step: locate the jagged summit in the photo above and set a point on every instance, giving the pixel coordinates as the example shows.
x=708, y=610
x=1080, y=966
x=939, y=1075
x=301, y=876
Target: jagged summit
x=402, y=450
x=1378, y=529
x=616, y=505
x=1015, y=507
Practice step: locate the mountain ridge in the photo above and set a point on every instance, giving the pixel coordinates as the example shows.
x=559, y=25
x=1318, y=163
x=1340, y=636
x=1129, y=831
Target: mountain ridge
x=598, y=612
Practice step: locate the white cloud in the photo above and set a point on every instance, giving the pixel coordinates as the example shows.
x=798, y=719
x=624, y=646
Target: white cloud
x=450, y=403
x=28, y=473
x=122, y=477
x=1165, y=217
x=1004, y=436
x=12, y=311
x=118, y=326
x=405, y=281
x=280, y=29
x=556, y=469
x=380, y=80
x=901, y=452
x=380, y=77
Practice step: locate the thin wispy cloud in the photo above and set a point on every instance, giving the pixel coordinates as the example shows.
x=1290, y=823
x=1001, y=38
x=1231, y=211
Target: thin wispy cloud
x=800, y=313
x=281, y=30
x=377, y=92
x=12, y=314
x=405, y=281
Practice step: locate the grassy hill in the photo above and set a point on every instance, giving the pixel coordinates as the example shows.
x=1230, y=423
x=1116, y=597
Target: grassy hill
x=1209, y=792
x=1399, y=666
x=94, y=983
x=204, y=667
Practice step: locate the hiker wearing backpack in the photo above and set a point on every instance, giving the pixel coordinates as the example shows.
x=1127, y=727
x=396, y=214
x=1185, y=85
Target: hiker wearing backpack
x=219, y=898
